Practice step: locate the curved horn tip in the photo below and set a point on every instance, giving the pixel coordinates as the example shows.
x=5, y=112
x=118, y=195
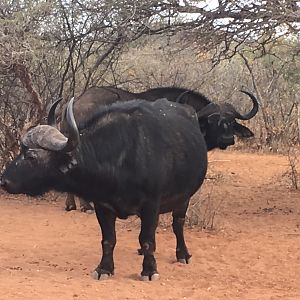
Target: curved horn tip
x=251, y=96
x=254, y=109
x=74, y=137
x=246, y=92
x=70, y=113
x=51, y=120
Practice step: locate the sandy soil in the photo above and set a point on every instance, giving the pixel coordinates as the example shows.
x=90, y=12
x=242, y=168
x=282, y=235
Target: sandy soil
x=253, y=253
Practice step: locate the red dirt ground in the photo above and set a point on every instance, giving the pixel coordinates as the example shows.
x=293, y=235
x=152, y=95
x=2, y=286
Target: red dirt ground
x=253, y=253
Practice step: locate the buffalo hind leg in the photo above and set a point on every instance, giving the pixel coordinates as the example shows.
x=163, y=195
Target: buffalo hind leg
x=70, y=202
x=107, y=222
x=149, y=221
x=182, y=253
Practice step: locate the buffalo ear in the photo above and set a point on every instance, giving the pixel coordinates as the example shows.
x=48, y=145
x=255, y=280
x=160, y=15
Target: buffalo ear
x=242, y=131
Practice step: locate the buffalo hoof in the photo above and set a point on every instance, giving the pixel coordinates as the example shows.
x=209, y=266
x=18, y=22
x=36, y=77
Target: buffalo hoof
x=88, y=211
x=153, y=277
x=187, y=260
x=97, y=276
x=70, y=207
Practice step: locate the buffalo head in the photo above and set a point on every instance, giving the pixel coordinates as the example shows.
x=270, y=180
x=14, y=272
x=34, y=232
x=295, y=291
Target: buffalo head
x=218, y=123
x=44, y=157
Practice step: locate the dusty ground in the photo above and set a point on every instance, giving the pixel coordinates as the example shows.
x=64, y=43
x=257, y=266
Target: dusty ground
x=47, y=253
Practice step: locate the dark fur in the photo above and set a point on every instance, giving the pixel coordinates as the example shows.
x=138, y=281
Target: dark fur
x=134, y=158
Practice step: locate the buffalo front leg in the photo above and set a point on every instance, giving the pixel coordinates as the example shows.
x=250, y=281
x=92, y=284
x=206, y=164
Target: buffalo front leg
x=107, y=222
x=140, y=250
x=182, y=253
x=70, y=202
x=149, y=221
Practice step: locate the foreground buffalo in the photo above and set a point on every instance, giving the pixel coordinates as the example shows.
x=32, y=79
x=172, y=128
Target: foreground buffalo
x=217, y=121
x=133, y=158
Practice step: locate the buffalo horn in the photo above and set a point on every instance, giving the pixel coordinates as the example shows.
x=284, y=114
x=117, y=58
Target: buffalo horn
x=207, y=110
x=46, y=137
x=50, y=138
x=51, y=119
x=179, y=99
x=252, y=112
x=73, y=133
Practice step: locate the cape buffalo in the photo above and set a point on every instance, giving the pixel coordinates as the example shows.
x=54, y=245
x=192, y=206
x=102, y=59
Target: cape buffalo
x=131, y=158
x=217, y=121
